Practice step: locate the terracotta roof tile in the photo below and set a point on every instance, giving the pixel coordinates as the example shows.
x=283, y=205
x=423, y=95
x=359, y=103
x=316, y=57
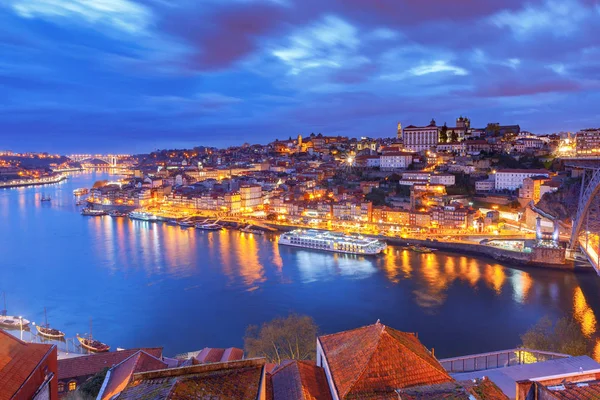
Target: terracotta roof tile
x=375, y=360
x=94, y=363
x=300, y=380
x=120, y=375
x=232, y=380
x=478, y=389
x=17, y=361
x=574, y=391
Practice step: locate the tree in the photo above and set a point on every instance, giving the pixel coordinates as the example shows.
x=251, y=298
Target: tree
x=562, y=337
x=291, y=338
x=271, y=217
x=453, y=137
x=99, y=184
x=444, y=134
x=376, y=196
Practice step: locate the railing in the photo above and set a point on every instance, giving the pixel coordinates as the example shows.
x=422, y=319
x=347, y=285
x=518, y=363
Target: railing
x=497, y=359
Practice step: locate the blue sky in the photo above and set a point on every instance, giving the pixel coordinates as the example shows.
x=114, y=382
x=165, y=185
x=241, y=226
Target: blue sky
x=136, y=75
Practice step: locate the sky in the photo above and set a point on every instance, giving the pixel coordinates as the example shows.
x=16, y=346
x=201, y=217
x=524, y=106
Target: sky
x=132, y=76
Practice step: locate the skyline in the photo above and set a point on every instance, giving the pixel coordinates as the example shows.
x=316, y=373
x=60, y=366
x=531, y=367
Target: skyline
x=132, y=76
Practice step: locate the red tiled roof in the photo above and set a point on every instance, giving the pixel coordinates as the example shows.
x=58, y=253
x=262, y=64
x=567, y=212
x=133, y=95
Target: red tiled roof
x=524, y=171
x=479, y=389
x=232, y=380
x=120, y=375
x=573, y=391
x=376, y=359
x=18, y=360
x=211, y=355
x=300, y=380
x=94, y=363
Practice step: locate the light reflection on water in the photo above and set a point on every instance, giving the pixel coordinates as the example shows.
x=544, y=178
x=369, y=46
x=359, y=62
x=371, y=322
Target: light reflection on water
x=139, y=279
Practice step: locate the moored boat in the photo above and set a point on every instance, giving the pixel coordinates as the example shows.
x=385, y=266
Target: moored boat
x=90, y=212
x=117, y=214
x=47, y=331
x=249, y=229
x=209, y=227
x=186, y=224
x=422, y=249
x=93, y=345
x=142, y=216
x=45, y=198
x=80, y=192
x=334, y=242
x=10, y=321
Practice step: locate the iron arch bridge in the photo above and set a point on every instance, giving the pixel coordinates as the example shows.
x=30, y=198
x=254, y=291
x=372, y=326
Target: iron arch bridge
x=111, y=159
x=586, y=224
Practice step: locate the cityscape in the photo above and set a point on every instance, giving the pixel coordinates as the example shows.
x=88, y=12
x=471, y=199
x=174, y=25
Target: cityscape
x=332, y=201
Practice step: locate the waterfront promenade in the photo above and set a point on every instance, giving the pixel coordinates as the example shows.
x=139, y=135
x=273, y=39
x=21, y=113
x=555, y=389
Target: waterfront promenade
x=33, y=182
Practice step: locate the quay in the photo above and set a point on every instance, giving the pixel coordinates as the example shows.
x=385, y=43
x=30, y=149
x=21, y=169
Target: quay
x=32, y=182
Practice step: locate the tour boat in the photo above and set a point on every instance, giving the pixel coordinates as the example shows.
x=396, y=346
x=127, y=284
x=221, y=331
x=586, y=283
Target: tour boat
x=90, y=212
x=334, y=242
x=48, y=332
x=141, y=215
x=209, y=227
x=186, y=224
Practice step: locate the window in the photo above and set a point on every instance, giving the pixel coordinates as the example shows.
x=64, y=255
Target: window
x=61, y=387
x=72, y=385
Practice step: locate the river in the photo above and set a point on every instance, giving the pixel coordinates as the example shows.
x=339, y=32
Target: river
x=150, y=284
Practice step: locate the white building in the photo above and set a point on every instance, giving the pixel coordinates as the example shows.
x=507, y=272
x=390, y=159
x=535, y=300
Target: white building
x=419, y=138
x=442, y=179
x=512, y=179
x=485, y=186
x=395, y=160
x=250, y=197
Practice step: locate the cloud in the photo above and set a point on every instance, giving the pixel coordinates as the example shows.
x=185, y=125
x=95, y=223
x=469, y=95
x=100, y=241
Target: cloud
x=438, y=66
x=122, y=15
x=560, y=17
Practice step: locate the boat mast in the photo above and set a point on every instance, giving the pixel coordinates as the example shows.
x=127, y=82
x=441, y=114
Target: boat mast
x=3, y=312
x=91, y=329
x=46, y=317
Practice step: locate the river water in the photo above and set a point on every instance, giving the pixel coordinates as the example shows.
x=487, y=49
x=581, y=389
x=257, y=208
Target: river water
x=159, y=285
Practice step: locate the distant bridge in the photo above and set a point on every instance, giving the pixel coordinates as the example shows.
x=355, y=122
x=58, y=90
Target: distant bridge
x=586, y=225
x=111, y=159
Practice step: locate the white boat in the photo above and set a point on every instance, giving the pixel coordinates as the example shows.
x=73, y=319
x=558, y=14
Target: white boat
x=141, y=215
x=209, y=227
x=186, y=224
x=330, y=241
x=11, y=322
x=90, y=212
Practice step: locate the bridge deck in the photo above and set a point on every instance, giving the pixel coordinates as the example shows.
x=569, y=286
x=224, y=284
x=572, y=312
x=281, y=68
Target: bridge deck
x=592, y=255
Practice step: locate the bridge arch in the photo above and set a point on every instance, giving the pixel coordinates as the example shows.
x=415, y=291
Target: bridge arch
x=589, y=201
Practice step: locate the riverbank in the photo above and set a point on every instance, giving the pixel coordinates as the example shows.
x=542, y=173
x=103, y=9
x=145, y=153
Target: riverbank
x=32, y=182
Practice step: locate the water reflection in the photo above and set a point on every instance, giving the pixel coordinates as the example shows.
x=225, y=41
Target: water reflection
x=583, y=313
x=314, y=265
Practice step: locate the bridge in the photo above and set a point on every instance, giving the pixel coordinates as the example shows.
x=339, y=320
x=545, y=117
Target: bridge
x=586, y=224
x=111, y=159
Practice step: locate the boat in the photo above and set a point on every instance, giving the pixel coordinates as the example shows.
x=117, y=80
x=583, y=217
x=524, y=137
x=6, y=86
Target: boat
x=330, y=241
x=12, y=322
x=116, y=214
x=46, y=198
x=80, y=192
x=91, y=344
x=90, y=212
x=248, y=229
x=209, y=227
x=186, y=224
x=142, y=216
x=421, y=249
x=48, y=332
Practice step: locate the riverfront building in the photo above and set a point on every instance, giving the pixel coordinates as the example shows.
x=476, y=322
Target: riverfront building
x=512, y=179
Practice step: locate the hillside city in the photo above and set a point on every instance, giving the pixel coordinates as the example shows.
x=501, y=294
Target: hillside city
x=457, y=188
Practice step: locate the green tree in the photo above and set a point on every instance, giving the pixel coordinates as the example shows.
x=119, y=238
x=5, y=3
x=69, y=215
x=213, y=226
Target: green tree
x=563, y=337
x=376, y=196
x=453, y=137
x=291, y=338
x=444, y=134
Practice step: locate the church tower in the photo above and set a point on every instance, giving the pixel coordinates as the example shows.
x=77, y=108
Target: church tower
x=399, y=133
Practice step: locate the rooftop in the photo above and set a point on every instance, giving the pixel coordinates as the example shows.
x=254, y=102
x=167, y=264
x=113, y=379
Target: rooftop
x=299, y=380
x=18, y=360
x=379, y=359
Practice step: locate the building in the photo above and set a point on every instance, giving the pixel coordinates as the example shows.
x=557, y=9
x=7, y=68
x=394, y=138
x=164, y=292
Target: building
x=73, y=372
x=27, y=370
x=298, y=380
x=587, y=142
x=512, y=179
x=250, y=197
x=452, y=217
x=244, y=379
x=377, y=362
x=395, y=160
x=486, y=185
x=368, y=161
x=420, y=138
x=531, y=189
